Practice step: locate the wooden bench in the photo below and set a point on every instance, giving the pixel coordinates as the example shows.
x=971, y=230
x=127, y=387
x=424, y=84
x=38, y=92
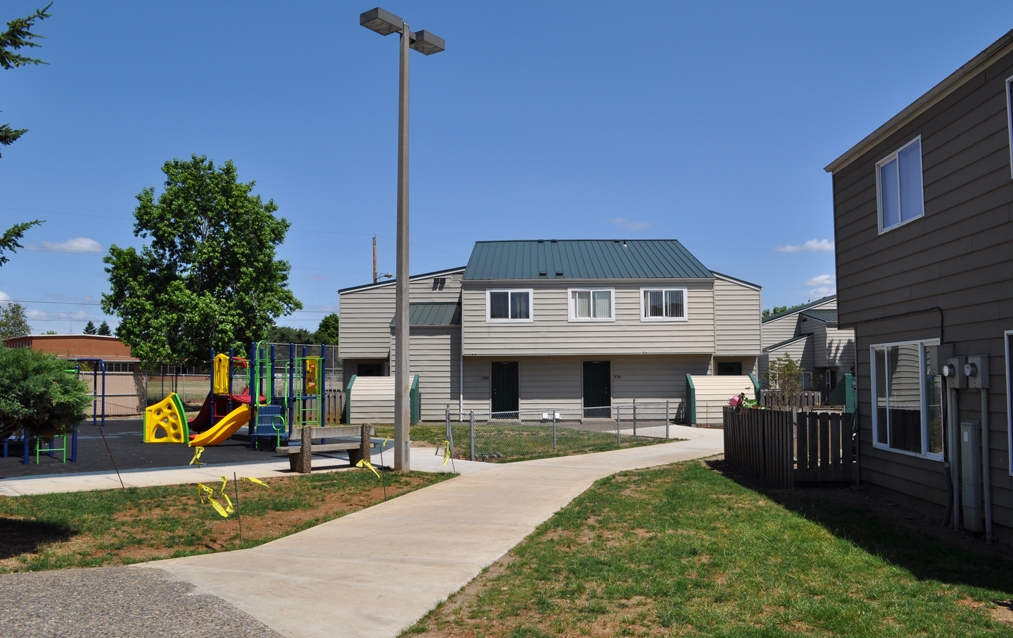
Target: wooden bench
x=351, y=438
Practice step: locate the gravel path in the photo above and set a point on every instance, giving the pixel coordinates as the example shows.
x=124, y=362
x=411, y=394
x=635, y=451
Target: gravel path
x=116, y=601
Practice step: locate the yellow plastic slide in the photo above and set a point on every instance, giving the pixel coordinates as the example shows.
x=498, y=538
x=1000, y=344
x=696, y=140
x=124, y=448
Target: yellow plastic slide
x=225, y=428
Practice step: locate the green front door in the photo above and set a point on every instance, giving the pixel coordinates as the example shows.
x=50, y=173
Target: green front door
x=505, y=394
x=597, y=389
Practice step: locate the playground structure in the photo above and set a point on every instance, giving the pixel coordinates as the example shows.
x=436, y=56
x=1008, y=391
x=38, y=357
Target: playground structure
x=98, y=374
x=272, y=396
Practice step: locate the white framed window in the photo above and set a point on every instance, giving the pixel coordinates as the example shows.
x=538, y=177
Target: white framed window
x=899, y=193
x=663, y=304
x=591, y=304
x=1009, y=127
x=509, y=305
x=1009, y=393
x=907, y=415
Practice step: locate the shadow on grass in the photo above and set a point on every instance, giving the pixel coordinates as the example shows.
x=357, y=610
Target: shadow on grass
x=28, y=537
x=903, y=537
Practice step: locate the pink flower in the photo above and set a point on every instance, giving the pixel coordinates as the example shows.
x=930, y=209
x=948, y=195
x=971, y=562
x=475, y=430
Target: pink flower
x=735, y=402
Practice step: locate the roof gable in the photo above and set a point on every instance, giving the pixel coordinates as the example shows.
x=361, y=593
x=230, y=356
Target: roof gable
x=583, y=259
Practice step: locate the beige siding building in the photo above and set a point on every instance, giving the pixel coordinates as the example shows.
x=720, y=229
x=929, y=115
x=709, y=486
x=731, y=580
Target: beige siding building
x=530, y=326
x=811, y=337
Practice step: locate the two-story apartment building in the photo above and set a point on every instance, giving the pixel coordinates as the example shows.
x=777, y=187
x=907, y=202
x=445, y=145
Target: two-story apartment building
x=923, y=220
x=539, y=324
x=811, y=336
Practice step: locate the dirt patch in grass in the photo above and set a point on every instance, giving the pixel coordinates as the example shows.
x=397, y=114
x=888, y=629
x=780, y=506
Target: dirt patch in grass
x=115, y=527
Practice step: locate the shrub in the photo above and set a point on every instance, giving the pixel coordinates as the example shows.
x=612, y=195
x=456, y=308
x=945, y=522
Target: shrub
x=38, y=394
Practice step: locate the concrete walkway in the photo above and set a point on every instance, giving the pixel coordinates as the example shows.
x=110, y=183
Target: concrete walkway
x=377, y=571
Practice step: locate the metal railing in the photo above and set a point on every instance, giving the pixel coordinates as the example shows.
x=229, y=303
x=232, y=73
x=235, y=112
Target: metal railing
x=559, y=430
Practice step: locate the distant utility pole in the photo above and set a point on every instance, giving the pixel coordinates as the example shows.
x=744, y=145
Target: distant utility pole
x=375, y=277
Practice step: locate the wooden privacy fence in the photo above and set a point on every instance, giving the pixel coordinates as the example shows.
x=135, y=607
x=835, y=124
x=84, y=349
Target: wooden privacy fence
x=787, y=447
x=334, y=399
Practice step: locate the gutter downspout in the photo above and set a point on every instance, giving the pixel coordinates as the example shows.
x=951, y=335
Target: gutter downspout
x=955, y=457
x=986, y=463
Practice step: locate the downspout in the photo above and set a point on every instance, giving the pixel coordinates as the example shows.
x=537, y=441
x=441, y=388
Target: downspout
x=954, y=457
x=986, y=466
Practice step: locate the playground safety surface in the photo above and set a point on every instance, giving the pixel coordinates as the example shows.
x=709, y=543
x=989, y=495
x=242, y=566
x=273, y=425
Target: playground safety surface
x=124, y=437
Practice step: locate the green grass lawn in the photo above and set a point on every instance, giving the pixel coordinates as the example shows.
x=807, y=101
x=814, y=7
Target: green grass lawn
x=506, y=443
x=111, y=527
x=684, y=550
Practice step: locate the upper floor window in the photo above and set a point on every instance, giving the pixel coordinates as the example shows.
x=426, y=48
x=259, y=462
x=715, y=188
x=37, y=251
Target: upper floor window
x=907, y=411
x=508, y=305
x=899, y=186
x=591, y=305
x=663, y=304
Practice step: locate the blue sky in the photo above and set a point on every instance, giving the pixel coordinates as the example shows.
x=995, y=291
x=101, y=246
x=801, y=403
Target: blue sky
x=706, y=122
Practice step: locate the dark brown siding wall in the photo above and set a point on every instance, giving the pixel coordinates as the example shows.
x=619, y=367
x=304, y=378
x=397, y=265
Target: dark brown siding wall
x=958, y=257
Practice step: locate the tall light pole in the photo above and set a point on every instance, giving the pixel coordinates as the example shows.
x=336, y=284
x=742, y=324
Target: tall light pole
x=385, y=23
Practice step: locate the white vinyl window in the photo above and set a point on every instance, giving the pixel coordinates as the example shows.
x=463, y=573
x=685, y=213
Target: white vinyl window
x=907, y=411
x=592, y=304
x=1009, y=127
x=1009, y=393
x=508, y=305
x=663, y=304
x=899, y=186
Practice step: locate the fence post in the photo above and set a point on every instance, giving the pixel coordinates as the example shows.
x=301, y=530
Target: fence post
x=634, y=417
x=667, y=419
x=448, y=421
x=472, y=435
x=553, y=430
x=619, y=420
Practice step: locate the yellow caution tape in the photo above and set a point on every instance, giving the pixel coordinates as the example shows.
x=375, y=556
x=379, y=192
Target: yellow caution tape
x=256, y=480
x=219, y=508
x=228, y=501
x=365, y=463
x=196, y=455
x=446, y=455
x=204, y=490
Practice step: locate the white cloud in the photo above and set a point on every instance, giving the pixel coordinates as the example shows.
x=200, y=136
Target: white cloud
x=75, y=245
x=812, y=246
x=622, y=222
x=822, y=280
x=42, y=315
x=823, y=291
x=4, y=299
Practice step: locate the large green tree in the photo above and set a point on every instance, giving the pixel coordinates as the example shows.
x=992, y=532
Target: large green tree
x=327, y=332
x=13, y=322
x=18, y=36
x=37, y=394
x=207, y=276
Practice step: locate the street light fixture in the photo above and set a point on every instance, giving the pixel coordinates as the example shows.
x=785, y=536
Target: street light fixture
x=385, y=23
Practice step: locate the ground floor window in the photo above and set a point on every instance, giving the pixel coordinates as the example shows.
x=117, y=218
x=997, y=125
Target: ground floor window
x=907, y=402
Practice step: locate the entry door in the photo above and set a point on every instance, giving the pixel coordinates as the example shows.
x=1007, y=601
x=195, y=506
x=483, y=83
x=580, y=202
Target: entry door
x=505, y=393
x=598, y=389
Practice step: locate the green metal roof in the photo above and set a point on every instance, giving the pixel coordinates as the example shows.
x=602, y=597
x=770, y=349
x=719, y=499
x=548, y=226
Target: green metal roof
x=583, y=259
x=433, y=314
x=791, y=311
x=826, y=316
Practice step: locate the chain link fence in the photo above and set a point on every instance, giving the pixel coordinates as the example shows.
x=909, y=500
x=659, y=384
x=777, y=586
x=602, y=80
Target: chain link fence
x=493, y=436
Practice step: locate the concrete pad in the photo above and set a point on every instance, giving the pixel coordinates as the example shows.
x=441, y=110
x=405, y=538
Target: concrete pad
x=377, y=571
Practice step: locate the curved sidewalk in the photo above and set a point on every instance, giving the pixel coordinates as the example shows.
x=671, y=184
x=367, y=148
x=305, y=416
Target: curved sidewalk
x=377, y=571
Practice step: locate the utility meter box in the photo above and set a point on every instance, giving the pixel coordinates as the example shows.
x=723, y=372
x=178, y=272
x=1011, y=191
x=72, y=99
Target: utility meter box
x=970, y=475
x=954, y=373
x=977, y=372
